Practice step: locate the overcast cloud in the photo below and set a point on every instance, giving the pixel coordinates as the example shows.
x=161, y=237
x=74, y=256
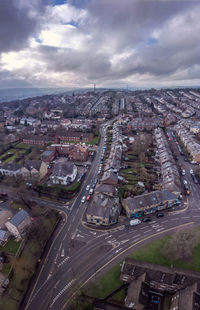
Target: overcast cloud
x=110, y=42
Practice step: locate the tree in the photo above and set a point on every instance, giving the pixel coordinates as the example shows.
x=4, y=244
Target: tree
x=181, y=244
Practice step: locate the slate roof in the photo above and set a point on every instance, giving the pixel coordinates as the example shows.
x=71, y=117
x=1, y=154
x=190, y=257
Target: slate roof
x=30, y=164
x=63, y=168
x=104, y=207
x=110, y=176
x=47, y=153
x=19, y=217
x=150, y=199
x=11, y=167
x=2, y=234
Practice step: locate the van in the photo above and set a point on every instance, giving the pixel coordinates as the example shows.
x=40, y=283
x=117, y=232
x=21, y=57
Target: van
x=135, y=222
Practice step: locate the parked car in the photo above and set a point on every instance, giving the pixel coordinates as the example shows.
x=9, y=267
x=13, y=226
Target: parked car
x=88, y=197
x=160, y=214
x=182, y=171
x=91, y=191
x=146, y=219
x=83, y=199
x=195, y=179
x=135, y=222
x=191, y=171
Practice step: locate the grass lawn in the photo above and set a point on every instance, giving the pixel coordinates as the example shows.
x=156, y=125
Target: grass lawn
x=152, y=253
x=94, y=141
x=105, y=284
x=11, y=246
x=6, y=268
x=22, y=145
x=16, y=206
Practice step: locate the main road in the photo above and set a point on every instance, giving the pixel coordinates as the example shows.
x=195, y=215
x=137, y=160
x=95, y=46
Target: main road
x=78, y=254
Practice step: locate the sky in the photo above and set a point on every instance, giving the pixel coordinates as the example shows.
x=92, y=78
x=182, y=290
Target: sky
x=113, y=43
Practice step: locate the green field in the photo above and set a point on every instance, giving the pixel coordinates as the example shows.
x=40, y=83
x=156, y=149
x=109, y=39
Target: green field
x=105, y=284
x=11, y=246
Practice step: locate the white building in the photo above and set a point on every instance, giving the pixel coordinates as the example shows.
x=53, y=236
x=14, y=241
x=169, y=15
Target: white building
x=64, y=172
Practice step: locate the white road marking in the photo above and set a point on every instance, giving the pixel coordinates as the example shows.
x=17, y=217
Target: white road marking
x=64, y=260
x=61, y=292
x=147, y=231
x=118, y=250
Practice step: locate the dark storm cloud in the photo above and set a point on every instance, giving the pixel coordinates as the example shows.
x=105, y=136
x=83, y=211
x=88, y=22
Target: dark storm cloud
x=128, y=22
x=18, y=21
x=93, y=65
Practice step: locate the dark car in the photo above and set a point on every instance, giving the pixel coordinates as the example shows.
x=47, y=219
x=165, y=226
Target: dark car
x=146, y=219
x=195, y=179
x=160, y=214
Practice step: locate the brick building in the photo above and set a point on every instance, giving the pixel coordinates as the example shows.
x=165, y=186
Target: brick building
x=75, y=136
x=73, y=152
x=37, y=140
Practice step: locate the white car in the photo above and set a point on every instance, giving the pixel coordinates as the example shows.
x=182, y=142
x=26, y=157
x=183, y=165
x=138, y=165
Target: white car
x=83, y=199
x=191, y=171
x=184, y=181
x=87, y=187
x=183, y=172
x=91, y=191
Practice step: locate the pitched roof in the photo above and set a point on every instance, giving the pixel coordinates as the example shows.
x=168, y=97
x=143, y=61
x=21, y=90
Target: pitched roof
x=19, y=217
x=150, y=199
x=63, y=168
x=11, y=167
x=30, y=164
x=2, y=234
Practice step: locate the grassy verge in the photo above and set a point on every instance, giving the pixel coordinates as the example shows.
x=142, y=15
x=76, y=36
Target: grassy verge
x=94, y=141
x=105, y=284
x=152, y=254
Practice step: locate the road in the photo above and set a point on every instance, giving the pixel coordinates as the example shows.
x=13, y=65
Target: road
x=78, y=253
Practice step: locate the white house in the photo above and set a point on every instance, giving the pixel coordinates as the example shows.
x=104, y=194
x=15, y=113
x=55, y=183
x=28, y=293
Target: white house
x=10, y=169
x=64, y=172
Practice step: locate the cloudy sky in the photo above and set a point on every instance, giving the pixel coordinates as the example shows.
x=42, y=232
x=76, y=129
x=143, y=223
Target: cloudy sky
x=74, y=43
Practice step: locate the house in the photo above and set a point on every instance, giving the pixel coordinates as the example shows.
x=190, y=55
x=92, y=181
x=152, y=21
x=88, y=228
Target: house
x=74, y=152
x=149, y=285
x=103, y=210
x=106, y=189
x=64, y=172
x=37, y=140
x=110, y=177
x=5, y=216
x=48, y=156
x=3, y=236
x=76, y=136
x=10, y=169
x=19, y=222
x=30, y=121
x=148, y=203
x=34, y=169
x=65, y=123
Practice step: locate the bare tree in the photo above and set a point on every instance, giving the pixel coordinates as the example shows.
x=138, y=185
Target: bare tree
x=181, y=244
